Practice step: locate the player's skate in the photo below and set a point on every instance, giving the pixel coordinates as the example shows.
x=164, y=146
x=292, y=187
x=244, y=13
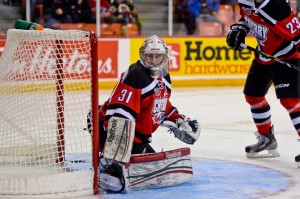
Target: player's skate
x=297, y=160
x=264, y=148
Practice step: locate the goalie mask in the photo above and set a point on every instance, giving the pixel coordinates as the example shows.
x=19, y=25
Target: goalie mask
x=154, y=56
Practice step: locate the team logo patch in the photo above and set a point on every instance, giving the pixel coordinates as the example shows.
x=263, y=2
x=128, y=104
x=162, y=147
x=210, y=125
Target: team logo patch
x=158, y=110
x=259, y=31
x=281, y=86
x=247, y=11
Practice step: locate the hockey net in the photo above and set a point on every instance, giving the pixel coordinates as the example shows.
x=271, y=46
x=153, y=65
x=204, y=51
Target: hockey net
x=48, y=84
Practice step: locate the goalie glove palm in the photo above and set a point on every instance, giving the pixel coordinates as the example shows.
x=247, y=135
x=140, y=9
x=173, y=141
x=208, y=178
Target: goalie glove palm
x=184, y=129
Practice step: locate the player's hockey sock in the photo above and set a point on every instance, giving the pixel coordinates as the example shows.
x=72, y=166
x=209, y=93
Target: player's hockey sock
x=292, y=105
x=261, y=113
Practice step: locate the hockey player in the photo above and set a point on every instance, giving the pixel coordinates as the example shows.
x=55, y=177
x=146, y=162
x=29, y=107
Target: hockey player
x=276, y=30
x=137, y=106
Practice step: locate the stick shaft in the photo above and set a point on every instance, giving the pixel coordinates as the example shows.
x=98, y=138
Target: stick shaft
x=270, y=57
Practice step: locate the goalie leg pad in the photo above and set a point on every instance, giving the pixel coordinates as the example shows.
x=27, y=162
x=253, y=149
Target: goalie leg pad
x=120, y=134
x=160, y=169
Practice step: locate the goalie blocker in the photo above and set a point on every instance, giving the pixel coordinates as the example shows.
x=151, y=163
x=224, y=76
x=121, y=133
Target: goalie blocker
x=149, y=171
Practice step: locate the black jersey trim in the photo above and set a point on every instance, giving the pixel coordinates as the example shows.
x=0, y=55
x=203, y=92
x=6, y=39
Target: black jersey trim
x=137, y=76
x=142, y=137
x=268, y=10
x=126, y=112
x=275, y=10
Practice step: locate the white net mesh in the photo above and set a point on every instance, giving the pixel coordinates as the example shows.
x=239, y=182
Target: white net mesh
x=45, y=92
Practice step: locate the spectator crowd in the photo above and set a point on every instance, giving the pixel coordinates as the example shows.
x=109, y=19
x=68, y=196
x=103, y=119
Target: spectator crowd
x=56, y=12
x=191, y=13
x=194, y=12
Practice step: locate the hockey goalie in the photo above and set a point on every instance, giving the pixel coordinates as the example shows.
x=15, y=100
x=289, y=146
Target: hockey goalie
x=138, y=105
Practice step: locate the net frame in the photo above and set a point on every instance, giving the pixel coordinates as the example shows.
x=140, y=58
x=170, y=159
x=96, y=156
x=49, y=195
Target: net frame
x=60, y=87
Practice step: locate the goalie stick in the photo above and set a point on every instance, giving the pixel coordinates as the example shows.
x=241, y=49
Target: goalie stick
x=270, y=57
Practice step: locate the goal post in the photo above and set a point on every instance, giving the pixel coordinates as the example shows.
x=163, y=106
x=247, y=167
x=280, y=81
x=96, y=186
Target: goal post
x=95, y=114
x=48, y=85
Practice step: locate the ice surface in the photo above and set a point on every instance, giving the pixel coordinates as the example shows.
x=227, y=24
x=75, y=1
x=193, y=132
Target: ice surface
x=221, y=169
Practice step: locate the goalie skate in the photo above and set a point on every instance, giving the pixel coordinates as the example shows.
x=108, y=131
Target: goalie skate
x=114, y=178
x=266, y=147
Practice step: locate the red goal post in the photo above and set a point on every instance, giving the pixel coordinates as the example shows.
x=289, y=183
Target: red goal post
x=48, y=84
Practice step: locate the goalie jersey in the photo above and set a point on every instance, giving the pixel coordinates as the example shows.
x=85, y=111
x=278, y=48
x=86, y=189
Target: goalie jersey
x=274, y=26
x=140, y=98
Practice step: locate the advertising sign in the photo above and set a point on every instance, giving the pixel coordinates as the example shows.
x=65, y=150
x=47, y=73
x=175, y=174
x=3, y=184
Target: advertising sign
x=191, y=58
x=2, y=43
x=38, y=61
x=203, y=57
x=108, y=59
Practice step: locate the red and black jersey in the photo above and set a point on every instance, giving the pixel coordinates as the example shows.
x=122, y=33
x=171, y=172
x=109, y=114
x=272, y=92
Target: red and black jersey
x=274, y=26
x=140, y=98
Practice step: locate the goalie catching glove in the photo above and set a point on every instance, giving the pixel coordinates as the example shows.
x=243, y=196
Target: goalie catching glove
x=184, y=129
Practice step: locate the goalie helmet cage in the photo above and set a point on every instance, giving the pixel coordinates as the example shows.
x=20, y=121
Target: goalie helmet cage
x=48, y=84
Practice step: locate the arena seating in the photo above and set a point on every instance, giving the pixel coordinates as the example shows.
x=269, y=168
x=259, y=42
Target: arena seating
x=210, y=29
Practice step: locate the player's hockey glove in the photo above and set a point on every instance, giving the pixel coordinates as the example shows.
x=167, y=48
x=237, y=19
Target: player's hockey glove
x=184, y=129
x=236, y=36
x=112, y=178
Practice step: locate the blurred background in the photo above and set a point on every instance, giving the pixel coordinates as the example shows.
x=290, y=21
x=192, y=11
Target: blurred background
x=127, y=18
